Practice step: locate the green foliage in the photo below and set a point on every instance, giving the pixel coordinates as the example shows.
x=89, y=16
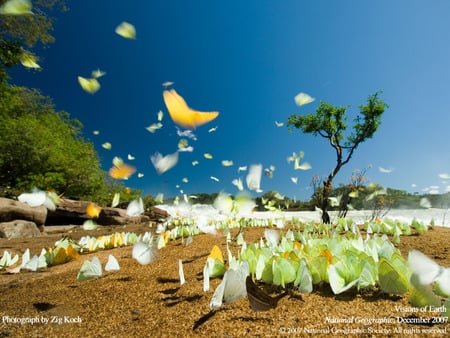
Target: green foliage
x=20, y=32
x=330, y=122
x=43, y=148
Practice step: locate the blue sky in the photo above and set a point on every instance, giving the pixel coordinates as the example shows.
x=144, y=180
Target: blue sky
x=247, y=60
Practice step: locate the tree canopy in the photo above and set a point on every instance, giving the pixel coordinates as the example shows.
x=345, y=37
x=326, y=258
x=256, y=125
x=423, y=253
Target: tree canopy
x=43, y=148
x=330, y=123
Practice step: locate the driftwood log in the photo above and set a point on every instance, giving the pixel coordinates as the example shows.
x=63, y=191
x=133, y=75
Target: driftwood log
x=11, y=210
x=74, y=212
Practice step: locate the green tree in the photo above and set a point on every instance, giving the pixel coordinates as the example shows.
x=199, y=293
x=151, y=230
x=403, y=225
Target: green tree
x=20, y=33
x=330, y=122
x=43, y=148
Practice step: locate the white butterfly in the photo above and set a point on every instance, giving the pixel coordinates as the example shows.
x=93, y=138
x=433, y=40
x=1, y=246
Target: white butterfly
x=135, y=208
x=162, y=164
x=425, y=203
x=33, y=199
x=294, y=180
x=154, y=127
x=238, y=183
x=337, y=282
x=112, y=264
x=98, y=73
x=232, y=286
x=215, y=178
x=272, y=237
x=90, y=270
x=7, y=260
x=206, y=278
x=242, y=168
x=181, y=272
x=227, y=163
x=302, y=98
x=279, y=124
x=384, y=170
x=213, y=129
x=131, y=157
x=143, y=253
x=253, y=178
x=116, y=200
x=89, y=225
x=428, y=271
x=444, y=176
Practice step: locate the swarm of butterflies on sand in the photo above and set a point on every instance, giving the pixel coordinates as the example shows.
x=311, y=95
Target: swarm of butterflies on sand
x=337, y=255
x=300, y=259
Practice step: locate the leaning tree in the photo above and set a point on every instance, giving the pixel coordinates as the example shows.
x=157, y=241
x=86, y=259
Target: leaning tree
x=330, y=122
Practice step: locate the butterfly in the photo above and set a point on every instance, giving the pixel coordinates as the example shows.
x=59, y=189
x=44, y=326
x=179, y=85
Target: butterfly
x=90, y=270
x=302, y=98
x=89, y=85
x=122, y=171
x=167, y=83
x=272, y=237
x=90, y=225
x=33, y=199
x=93, y=210
x=238, y=183
x=182, y=115
x=393, y=275
x=112, y=264
x=227, y=163
x=16, y=7
x=135, y=208
x=107, y=146
x=116, y=200
x=143, y=253
x=7, y=260
x=181, y=272
x=337, y=277
x=162, y=164
x=303, y=280
x=384, y=170
x=232, y=286
x=253, y=178
x=97, y=73
x=444, y=176
x=154, y=127
x=259, y=300
x=126, y=30
x=29, y=60
x=426, y=271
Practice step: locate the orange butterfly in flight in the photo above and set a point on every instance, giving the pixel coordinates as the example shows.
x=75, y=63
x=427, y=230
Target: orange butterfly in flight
x=184, y=116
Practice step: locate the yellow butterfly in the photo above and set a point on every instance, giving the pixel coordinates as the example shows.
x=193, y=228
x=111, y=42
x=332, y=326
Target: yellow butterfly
x=16, y=7
x=184, y=116
x=89, y=85
x=216, y=253
x=93, y=210
x=29, y=61
x=121, y=172
x=126, y=30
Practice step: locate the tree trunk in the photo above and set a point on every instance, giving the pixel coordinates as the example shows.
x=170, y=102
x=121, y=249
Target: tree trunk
x=327, y=186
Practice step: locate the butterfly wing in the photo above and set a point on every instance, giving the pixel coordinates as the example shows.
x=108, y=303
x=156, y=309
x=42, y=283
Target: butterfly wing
x=182, y=115
x=112, y=264
x=425, y=268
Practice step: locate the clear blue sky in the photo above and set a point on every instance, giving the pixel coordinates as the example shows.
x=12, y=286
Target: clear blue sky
x=248, y=59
